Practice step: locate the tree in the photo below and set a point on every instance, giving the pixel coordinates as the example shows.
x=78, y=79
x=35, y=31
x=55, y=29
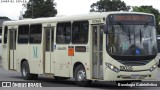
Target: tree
x=40, y=8
x=109, y=5
x=150, y=9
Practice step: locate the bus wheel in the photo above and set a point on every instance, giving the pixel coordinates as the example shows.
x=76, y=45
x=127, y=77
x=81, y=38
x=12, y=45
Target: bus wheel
x=26, y=75
x=80, y=76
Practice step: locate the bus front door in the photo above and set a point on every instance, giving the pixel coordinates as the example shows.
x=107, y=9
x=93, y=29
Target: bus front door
x=12, y=48
x=49, y=45
x=97, y=47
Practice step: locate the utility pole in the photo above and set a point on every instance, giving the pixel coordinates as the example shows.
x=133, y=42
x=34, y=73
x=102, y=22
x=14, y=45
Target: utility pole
x=32, y=8
x=31, y=3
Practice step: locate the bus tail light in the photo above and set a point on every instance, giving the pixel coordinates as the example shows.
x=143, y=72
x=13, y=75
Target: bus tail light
x=112, y=67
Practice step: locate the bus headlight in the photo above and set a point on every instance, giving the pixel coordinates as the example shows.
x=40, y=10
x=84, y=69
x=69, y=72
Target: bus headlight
x=112, y=67
x=153, y=68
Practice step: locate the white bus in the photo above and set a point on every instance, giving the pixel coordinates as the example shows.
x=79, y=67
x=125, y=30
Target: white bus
x=0, y=41
x=0, y=46
x=158, y=46
x=107, y=46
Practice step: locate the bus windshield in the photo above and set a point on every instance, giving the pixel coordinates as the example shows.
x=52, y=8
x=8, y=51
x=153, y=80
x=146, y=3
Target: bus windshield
x=132, y=40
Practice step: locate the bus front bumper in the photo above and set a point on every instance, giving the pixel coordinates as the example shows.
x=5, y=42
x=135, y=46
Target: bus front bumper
x=122, y=75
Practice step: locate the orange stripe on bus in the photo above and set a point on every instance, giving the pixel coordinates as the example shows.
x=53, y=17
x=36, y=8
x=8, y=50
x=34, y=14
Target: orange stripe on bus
x=70, y=51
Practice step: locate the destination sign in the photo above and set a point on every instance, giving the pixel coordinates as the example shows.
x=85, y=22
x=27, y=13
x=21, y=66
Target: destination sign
x=132, y=17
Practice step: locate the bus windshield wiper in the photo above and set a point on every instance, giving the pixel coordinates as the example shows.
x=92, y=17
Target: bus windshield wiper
x=129, y=35
x=140, y=36
x=120, y=24
x=146, y=25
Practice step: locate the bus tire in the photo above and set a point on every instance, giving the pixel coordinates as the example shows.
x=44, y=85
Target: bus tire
x=25, y=71
x=80, y=76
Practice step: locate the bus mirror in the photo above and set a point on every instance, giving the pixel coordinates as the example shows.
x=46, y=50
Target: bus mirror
x=105, y=28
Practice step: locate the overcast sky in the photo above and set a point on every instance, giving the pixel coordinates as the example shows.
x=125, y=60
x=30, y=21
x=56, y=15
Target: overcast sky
x=67, y=7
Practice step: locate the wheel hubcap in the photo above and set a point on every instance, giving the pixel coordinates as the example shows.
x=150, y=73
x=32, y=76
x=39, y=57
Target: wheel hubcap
x=81, y=75
x=24, y=71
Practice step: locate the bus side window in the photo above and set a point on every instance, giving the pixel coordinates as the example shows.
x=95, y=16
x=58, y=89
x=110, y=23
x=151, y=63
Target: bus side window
x=35, y=34
x=23, y=34
x=80, y=32
x=5, y=34
x=63, y=35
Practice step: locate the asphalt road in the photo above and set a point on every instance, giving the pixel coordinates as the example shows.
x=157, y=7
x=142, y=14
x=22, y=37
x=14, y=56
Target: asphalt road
x=64, y=85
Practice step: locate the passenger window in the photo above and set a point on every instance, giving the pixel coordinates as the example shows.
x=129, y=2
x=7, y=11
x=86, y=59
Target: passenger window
x=35, y=34
x=5, y=34
x=63, y=35
x=23, y=34
x=80, y=32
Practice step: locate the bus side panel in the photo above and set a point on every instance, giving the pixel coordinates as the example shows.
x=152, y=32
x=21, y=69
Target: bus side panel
x=62, y=61
x=36, y=61
x=84, y=58
x=22, y=54
x=5, y=56
x=5, y=53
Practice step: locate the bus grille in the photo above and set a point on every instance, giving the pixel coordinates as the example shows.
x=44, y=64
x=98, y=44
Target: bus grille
x=130, y=77
x=134, y=63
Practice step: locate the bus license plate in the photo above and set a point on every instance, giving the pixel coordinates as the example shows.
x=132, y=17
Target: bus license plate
x=134, y=76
